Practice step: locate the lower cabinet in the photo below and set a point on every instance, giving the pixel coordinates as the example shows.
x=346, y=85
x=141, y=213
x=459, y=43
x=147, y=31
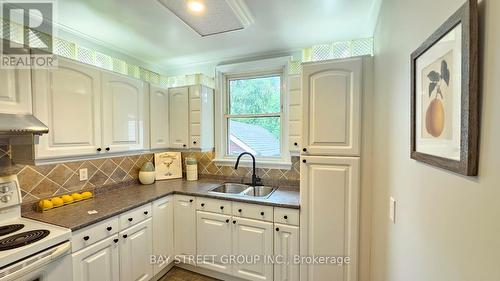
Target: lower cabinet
x=185, y=226
x=98, y=262
x=286, y=247
x=135, y=250
x=163, y=231
x=214, y=240
x=253, y=238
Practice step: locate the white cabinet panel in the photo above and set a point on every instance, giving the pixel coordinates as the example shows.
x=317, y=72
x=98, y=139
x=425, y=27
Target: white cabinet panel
x=294, y=114
x=163, y=230
x=331, y=107
x=253, y=238
x=135, y=250
x=67, y=100
x=329, y=215
x=179, y=117
x=214, y=239
x=185, y=225
x=15, y=91
x=98, y=262
x=123, y=113
x=286, y=246
x=159, y=117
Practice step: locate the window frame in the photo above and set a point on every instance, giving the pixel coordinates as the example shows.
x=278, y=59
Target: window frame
x=253, y=69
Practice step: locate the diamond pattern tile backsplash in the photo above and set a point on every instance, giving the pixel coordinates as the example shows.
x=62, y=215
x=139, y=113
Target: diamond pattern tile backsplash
x=43, y=181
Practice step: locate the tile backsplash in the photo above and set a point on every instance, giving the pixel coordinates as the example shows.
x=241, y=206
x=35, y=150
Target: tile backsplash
x=44, y=181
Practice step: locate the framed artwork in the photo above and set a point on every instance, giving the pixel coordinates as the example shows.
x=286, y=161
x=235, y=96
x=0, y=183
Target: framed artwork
x=168, y=165
x=444, y=95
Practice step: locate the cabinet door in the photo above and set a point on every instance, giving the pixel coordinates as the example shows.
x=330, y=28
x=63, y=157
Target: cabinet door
x=286, y=247
x=163, y=230
x=159, y=118
x=329, y=200
x=331, y=106
x=98, y=262
x=15, y=90
x=213, y=239
x=179, y=117
x=253, y=238
x=185, y=225
x=123, y=113
x=135, y=250
x=295, y=114
x=68, y=100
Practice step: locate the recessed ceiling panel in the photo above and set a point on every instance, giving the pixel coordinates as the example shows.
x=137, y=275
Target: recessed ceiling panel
x=209, y=17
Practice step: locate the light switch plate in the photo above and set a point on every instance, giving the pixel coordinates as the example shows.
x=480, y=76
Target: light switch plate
x=392, y=209
x=84, y=174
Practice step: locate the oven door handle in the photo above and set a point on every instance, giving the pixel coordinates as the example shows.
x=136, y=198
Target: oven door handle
x=29, y=266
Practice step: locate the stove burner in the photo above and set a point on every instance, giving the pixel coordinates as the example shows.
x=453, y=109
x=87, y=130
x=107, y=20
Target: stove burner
x=8, y=229
x=22, y=239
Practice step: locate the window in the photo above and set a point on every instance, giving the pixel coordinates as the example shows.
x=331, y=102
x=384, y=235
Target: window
x=254, y=115
x=250, y=115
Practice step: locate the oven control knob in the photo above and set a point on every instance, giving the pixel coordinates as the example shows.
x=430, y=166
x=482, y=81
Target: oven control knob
x=4, y=188
x=6, y=198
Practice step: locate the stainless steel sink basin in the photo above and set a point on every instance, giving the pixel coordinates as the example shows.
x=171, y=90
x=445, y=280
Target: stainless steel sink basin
x=230, y=188
x=259, y=191
x=238, y=189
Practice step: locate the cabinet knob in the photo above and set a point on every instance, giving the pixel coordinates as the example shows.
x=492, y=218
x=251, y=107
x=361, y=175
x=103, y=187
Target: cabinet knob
x=146, y=213
x=194, y=142
x=285, y=217
x=86, y=238
x=296, y=144
x=261, y=213
x=109, y=228
x=234, y=222
x=191, y=200
x=203, y=204
x=108, y=149
x=99, y=149
x=240, y=210
x=130, y=219
x=125, y=235
x=222, y=207
x=115, y=240
x=183, y=145
x=304, y=149
x=277, y=229
x=227, y=221
x=304, y=161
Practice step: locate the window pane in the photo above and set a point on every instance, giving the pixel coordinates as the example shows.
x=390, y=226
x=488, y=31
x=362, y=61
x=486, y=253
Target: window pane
x=255, y=95
x=259, y=136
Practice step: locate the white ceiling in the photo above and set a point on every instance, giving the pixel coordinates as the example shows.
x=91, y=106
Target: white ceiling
x=146, y=30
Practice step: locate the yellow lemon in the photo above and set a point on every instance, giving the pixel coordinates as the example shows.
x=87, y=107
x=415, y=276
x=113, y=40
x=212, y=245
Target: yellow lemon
x=56, y=201
x=86, y=194
x=45, y=204
x=67, y=199
x=76, y=196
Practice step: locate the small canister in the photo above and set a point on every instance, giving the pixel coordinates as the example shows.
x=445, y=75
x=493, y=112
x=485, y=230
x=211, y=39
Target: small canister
x=191, y=169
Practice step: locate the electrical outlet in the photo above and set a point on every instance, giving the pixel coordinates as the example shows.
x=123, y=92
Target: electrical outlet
x=392, y=209
x=84, y=174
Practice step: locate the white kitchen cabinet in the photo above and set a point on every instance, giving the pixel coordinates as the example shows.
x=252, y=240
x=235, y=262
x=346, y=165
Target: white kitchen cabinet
x=136, y=244
x=15, y=91
x=329, y=200
x=185, y=225
x=253, y=238
x=294, y=113
x=201, y=118
x=159, y=117
x=179, y=117
x=331, y=107
x=214, y=239
x=286, y=247
x=98, y=262
x=125, y=107
x=163, y=230
x=68, y=100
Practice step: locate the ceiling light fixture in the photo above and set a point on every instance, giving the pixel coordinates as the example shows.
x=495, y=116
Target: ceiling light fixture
x=196, y=6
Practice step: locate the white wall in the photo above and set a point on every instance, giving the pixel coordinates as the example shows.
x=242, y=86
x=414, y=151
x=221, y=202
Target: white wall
x=448, y=226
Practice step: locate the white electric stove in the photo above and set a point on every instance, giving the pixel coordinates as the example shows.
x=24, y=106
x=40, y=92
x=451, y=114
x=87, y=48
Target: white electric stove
x=29, y=250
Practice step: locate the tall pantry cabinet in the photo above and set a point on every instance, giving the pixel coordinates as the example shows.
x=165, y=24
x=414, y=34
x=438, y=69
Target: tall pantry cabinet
x=330, y=166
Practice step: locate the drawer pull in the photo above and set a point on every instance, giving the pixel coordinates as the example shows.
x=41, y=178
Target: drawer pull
x=304, y=161
x=203, y=204
x=285, y=217
x=234, y=222
x=222, y=207
x=194, y=142
x=191, y=200
x=240, y=210
x=262, y=213
x=109, y=228
x=277, y=229
x=304, y=149
x=115, y=240
x=86, y=238
x=99, y=149
x=227, y=221
x=146, y=213
x=296, y=144
x=108, y=149
x=130, y=219
x=125, y=235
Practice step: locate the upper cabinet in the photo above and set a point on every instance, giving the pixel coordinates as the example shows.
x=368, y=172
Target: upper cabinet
x=331, y=106
x=124, y=111
x=295, y=114
x=68, y=100
x=15, y=91
x=192, y=117
x=158, y=116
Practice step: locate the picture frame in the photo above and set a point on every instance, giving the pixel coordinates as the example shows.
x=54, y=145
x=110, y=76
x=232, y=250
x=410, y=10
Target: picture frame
x=445, y=95
x=168, y=165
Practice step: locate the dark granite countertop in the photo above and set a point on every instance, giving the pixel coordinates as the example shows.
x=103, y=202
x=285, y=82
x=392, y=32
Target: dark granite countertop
x=119, y=200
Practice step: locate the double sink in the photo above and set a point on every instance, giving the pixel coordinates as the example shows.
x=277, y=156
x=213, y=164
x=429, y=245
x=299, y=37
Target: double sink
x=238, y=189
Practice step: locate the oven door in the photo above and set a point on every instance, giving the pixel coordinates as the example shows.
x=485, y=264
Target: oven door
x=53, y=264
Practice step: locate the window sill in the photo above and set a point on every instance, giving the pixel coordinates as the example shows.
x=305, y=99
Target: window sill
x=265, y=164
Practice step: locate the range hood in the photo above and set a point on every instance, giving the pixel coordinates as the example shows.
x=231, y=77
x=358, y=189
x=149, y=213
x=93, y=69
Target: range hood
x=22, y=132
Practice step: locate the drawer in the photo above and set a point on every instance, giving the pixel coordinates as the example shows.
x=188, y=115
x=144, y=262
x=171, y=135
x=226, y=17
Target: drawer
x=91, y=234
x=134, y=216
x=253, y=211
x=214, y=205
x=286, y=216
